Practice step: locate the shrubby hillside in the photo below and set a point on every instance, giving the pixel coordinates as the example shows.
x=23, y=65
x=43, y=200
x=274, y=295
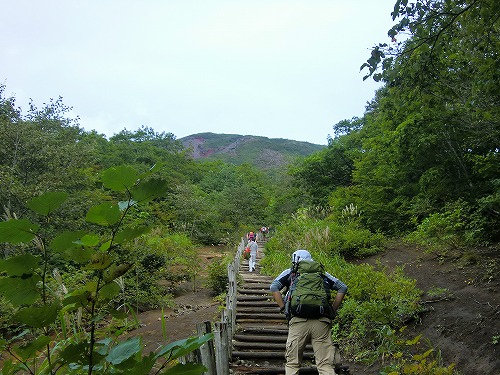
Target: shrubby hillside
x=262, y=152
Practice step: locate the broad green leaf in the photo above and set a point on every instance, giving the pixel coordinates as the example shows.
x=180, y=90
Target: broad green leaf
x=80, y=255
x=88, y=240
x=48, y=202
x=29, y=350
x=66, y=240
x=117, y=314
x=182, y=347
x=103, y=346
x=124, y=350
x=109, y=291
x=104, y=214
x=130, y=233
x=76, y=299
x=142, y=367
x=115, y=271
x=123, y=205
x=19, y=265
x=75, y=353
x=192, y=344
x=38, y=317
x=20, y=290
x=17, y=231
x=91, y=286
x=105, y=246
x=186, y=369
x=149, y=190
x=9, y=368
x=99, y=261
x=120, y=178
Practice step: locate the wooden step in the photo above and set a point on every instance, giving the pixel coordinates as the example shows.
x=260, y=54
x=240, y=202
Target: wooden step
x=268, y=338
x=247, y=297
x=258, y=303
x=260, y=315
x=267, y=354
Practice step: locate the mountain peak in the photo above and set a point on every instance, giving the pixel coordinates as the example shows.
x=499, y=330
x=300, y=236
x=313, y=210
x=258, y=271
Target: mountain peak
x=260, y=151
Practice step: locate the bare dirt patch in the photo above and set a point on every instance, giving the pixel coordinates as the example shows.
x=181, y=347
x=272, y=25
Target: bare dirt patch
x=462, y=301
x=190, y=307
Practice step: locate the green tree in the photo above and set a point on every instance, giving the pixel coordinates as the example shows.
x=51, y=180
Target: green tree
x=430, y=134
x=321, y=173
x=43, y=151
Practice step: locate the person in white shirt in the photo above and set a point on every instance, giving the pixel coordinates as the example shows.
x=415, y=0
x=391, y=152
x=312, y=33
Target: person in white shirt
x=253, y=254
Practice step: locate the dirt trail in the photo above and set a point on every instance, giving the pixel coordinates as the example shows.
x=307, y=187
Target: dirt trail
x=190, y=308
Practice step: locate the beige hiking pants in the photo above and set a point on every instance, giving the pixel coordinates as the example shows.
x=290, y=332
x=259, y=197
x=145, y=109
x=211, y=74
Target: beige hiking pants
x=301, y=331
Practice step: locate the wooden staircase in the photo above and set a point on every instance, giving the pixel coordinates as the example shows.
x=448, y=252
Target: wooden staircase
x=261, y=330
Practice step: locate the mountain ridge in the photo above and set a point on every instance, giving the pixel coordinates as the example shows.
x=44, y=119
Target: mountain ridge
x=263, y=152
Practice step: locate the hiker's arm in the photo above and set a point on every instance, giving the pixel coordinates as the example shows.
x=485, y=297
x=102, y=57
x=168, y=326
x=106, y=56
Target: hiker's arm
x=279, y=283
x=341, y=289
x=338, y=301
x=279, y=299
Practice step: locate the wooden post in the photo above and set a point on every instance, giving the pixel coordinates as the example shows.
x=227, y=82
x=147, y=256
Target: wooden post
x=189, y=357
x=221, y=348
x=207, y=352
x=229, y=318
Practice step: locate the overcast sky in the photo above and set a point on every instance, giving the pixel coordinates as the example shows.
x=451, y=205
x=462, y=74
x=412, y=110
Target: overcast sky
x=279, y=69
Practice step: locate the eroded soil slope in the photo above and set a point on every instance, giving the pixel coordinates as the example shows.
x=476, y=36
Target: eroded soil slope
x=462, y=299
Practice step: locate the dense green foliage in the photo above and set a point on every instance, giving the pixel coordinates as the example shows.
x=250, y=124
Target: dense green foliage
x=425, y=156
x=75, y=264
x=217, y=275
x=77, y=327
x=41, y=151
x=379, y=304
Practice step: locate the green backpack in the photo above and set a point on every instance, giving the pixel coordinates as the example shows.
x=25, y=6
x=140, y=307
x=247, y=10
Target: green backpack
x=309, y=294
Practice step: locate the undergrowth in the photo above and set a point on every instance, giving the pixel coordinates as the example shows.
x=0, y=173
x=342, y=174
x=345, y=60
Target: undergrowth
x=378, y=305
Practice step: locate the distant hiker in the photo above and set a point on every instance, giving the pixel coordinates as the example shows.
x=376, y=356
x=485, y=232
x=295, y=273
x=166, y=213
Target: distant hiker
x=253, y=254
x=264, y=231
x=308, y=307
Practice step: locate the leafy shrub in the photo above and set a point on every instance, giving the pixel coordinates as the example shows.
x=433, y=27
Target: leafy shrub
x=376, y=300
x=485, y=221
x=410, y=357
x=455, y=227
x=217, y=275
x=326, y=235
x=162, y=261
x=7, y=312
x=353, y=241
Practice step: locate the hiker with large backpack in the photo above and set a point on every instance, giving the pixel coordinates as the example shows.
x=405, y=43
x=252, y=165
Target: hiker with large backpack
x=309, y=309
